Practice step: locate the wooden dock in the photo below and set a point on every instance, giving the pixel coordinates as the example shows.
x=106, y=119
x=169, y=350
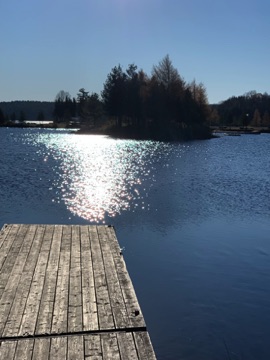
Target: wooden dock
x=65, y=293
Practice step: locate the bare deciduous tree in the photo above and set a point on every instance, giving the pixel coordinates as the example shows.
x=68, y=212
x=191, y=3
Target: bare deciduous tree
x=165, y=73
x=62, y=96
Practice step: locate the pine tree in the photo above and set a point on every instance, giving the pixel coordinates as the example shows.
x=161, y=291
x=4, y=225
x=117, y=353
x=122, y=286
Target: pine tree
x=165, y=73
x=62, y=106
x=114, y=94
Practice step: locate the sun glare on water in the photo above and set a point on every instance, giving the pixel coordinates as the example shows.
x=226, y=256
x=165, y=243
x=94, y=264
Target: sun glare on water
x=98, y=176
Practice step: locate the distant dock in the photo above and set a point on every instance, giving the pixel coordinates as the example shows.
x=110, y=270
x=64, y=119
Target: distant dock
x=65, y=293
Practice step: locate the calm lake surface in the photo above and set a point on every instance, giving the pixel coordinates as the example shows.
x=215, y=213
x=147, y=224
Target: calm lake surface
x=194, y=219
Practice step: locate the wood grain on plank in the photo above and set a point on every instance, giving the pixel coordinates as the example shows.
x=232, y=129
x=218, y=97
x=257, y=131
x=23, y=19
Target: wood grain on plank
x=60, y=312
x=127, y=346
x=105, y=316
x=7, y=350
x=58, y=348
x=44, y=319
x=7, y=257
x=75, y=285
x=41, y=349
x=24, y=349
x=4, y=232
x=13, y=284
x=144, y=346
x=28, y=323
x=75, y=348
x=92, y=346
x=109, y=344
x=118, y=307
x=16, y=313
x=132, y=304
x=89, y=302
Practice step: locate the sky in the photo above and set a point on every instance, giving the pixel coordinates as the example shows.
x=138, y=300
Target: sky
x=52, y=45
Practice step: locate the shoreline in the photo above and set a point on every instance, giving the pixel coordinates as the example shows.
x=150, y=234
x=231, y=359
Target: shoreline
x=127, y=132
x=240, y=129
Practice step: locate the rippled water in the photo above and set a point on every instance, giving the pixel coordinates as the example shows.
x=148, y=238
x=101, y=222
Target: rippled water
x=193, y=218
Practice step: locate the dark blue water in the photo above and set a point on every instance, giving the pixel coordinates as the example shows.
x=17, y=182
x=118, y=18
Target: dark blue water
x=194, y=219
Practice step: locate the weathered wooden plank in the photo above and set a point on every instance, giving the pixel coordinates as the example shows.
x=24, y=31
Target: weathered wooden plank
x=34, y=248
x=45, y=312
x=109, y=344
x=41, y=349
x=24, y=349
x=60, y=313
x=58, y=348
x=4, y=232
x=67, y=279
x=8, y=235
x=92, y=347
x=47, y=238
x=105, y=316
x=13, y=285
x=19, y=240
x=14, y=318
x=144, y=346
x=75, y=286
x=7, y=350
x=132, y=305
x=30, y=242
x=118, y=306
x=75, y=348
x=31, y=249
x=7, y=257
x=90, y=318
x=28, y=323
x=55, y=249
x=127, y=346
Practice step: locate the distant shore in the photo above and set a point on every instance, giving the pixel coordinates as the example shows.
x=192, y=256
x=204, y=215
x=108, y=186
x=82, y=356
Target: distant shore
x=38, y=124
x=169, y=134
x=128, y=132
x=240, y=129
x=125, y=132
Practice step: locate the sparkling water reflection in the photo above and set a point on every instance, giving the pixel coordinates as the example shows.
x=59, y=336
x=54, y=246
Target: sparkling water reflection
x=193, y=218
x=99, y=176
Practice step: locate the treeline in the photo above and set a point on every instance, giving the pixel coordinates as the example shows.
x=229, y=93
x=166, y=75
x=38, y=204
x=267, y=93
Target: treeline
x=85, y=109
x=159, y=106
x=132, y=104
x=26, y=110
x=250, y=109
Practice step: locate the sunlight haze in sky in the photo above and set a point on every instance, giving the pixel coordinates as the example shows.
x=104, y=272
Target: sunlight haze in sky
x=52, y=45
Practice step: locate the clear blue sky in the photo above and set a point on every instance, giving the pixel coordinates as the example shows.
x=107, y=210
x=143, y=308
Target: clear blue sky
x=52, y=45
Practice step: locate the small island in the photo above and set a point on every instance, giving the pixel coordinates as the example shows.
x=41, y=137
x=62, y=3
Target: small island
x=134, y=105
x=161, y=106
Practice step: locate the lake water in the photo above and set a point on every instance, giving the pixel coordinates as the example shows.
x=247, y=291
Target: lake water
x=194, y=219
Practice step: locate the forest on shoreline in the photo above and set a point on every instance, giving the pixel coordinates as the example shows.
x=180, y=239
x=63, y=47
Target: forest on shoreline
x=132, y=104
